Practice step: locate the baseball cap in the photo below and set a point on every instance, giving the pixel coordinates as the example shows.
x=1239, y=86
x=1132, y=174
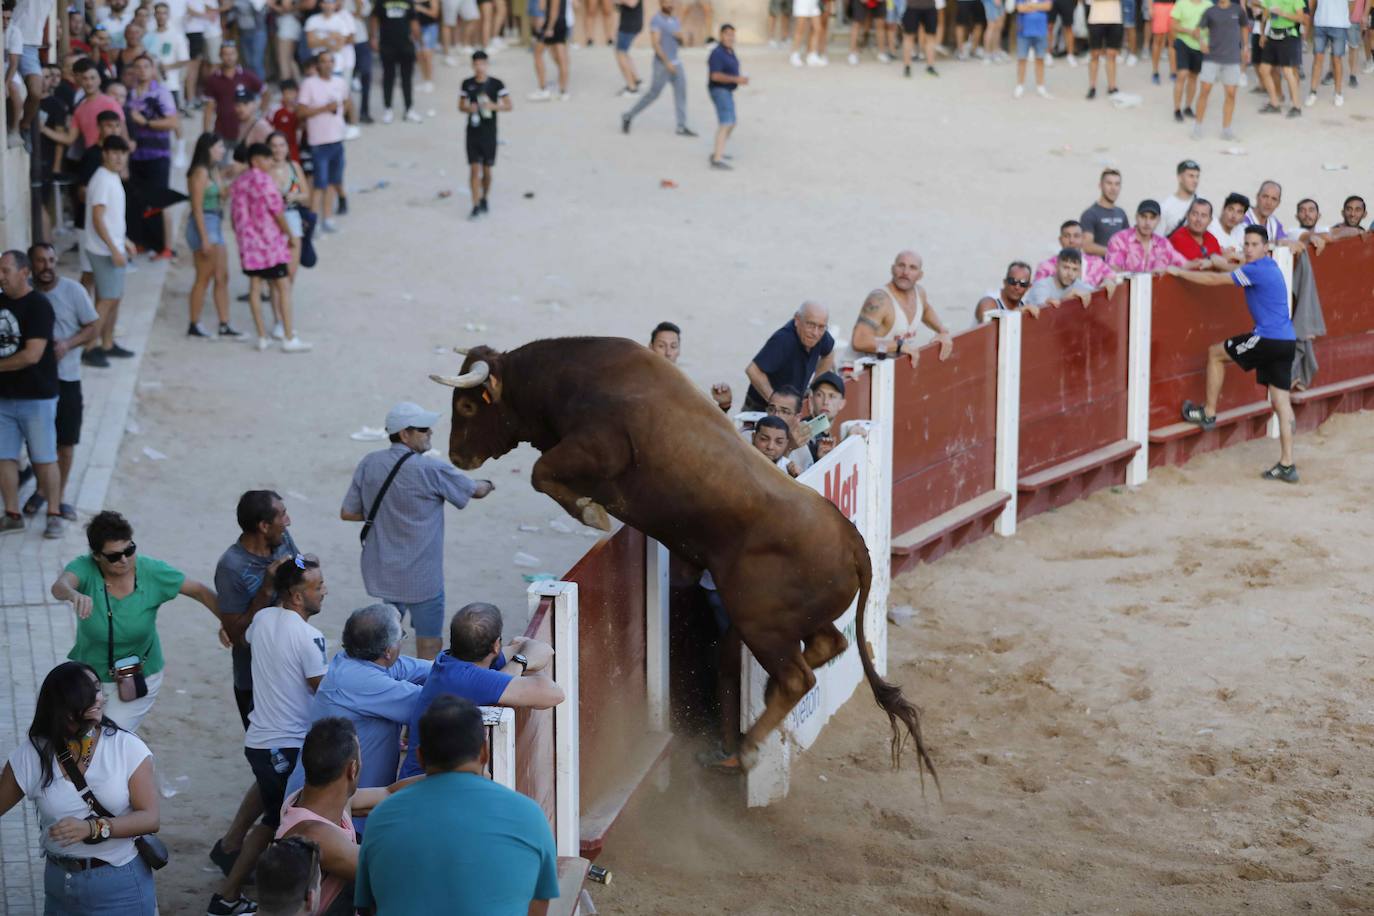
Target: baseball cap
x=244, y=94
x=1187, y=164
x=829, y=378
x=1148, y=206
x=407, y=414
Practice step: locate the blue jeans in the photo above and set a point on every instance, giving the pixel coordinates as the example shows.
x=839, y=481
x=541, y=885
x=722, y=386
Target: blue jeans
x=28, y=421
x=427, y=617
x=253, y=42
x=123, y=890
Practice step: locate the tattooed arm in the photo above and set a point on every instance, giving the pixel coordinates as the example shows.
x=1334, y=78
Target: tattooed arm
x=875, y=319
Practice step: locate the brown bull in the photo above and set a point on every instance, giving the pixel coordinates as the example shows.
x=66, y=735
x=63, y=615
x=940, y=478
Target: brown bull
x=623, y=431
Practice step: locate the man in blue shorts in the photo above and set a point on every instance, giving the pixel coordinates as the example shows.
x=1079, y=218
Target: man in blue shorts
x=1268, y=350
x=721, y=84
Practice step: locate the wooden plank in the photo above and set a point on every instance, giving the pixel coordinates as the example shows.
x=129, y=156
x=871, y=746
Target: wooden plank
x=912, y=541
x=572, y=874
x=1322, y=392
x=1072, y=468
x=1225, y=418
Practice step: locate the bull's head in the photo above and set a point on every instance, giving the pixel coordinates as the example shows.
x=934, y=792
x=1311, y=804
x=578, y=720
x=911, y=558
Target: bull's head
x=479, y=427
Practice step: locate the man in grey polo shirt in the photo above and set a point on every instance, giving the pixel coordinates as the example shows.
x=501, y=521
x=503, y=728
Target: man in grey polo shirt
x=403, y=550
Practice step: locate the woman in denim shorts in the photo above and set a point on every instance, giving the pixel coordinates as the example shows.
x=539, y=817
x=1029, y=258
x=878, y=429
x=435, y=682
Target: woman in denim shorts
x=205, y=236
x=295, y=192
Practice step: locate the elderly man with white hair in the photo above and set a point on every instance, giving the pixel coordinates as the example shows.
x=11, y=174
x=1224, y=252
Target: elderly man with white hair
x=891, y=314
x=793, y=355
x=374, y=686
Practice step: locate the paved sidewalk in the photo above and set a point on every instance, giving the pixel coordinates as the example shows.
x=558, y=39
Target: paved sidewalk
x=38, y=631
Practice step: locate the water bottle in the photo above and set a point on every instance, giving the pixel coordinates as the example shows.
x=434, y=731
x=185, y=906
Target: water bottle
x=279, y=761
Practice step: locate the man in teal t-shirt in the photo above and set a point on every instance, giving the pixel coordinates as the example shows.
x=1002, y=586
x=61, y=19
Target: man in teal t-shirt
x=1281, y=50
x=455, y=843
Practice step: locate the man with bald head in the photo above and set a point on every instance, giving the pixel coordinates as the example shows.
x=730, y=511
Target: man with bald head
x=795, y=353
x=479, y=669
x=1267, y=201
x=891, y=314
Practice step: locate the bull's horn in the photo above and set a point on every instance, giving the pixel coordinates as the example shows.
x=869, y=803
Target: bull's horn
x=470, y=379
x=462, y=351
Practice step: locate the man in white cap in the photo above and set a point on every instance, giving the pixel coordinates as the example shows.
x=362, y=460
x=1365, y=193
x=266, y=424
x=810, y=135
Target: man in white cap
x=398, y=494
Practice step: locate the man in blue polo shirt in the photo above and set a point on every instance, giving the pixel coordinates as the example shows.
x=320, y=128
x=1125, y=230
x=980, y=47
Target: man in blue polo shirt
x=455, y=842
x=1268, y=350
x=795, y=353
x=479, y=670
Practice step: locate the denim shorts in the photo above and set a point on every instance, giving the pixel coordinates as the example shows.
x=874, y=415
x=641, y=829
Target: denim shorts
x=993, y=10
x=329, y=163
x=33, y=422
x=109, y=279
x=427, y=617
x=623, y=40
x=293, y=222
x=29, y=64
x=429, y=36
x=112, y=890
x=214, y=227
x=1026, y=44
x=724, y=100
x=1326, y=36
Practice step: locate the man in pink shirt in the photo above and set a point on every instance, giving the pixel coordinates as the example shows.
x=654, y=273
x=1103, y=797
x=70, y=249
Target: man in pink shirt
x=1141, y=250
x=264, y=244
x=323, y=102
x=1096, y=273
x=92, y=103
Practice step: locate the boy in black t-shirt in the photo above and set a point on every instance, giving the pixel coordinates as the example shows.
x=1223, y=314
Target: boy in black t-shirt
x=480, y=98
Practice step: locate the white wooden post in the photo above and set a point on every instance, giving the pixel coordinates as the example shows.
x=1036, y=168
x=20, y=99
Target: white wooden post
x=500, y=720
x=1008, y=453
x=656, y=599
x=1138, y=377
x=567, y=764
x=882, y=404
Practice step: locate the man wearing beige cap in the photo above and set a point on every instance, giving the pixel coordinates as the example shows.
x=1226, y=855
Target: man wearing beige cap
x=398, y=494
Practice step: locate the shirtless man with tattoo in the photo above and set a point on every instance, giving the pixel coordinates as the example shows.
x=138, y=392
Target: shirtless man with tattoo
x=891, y=314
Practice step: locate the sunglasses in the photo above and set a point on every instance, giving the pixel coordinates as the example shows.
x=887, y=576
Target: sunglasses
x=117, y=555
x=421, y=429
x=306, y=561
x=1021, y=283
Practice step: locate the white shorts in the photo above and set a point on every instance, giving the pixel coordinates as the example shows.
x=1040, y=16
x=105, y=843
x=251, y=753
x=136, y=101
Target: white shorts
x=468, y=11
x=806, y=9
x=289, y=28
x=129, y=716
x=1214, y=73
x=449, y=12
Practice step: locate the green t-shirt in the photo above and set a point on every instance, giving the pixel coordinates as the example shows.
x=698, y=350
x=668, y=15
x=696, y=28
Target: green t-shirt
x=1278, y=25
x=1186, y=15
x=135, y=616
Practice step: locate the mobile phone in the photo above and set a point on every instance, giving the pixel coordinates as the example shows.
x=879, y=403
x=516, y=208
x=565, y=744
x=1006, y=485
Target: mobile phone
x=127, y=662
x=816, y=425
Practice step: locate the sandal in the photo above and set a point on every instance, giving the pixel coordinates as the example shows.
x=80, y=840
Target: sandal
x=34, y=503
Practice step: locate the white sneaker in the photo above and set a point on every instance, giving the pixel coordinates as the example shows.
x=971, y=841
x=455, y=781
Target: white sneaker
x=263, y=344
x=796, y=60
x=352, y=132
x=498, y=42
x=414, y=117
x=773, y=44
x=1073, y=61
x=426, y=87
x=1340, y=100
x=450, y=61
x=296, y=345
x=1018, y=91
x=961, y=54
x=979, y=53
x=1049, y=61
x=1368, y=66
x=1043, y=92
x=388, y=116
x=815, y=60
x=1311, y=99
x=278, y=332
x=540, y=95
x=884, y=58
x=1132, y=60
x=853, y=60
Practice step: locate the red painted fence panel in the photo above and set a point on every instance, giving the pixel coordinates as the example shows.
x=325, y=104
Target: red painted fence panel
x=1345, y=285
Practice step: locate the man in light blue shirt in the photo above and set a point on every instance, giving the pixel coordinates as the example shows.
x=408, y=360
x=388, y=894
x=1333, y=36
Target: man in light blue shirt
x=456, y=843
x=374, y=686
x=403, y=549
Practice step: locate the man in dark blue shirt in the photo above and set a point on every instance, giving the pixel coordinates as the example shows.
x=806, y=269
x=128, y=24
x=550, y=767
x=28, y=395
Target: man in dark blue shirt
x=792, y=356
x=724, y=78
x=1268, y=350
x=475, y=667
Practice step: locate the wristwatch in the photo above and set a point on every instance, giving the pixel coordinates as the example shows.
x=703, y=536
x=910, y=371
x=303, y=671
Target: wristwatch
x=104, y=831
x=523, y=662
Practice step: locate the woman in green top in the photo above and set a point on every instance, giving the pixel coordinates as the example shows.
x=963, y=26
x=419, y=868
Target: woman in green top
x=115, y=592
x=205, y=236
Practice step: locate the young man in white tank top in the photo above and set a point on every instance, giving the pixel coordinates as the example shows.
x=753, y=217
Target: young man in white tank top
x=890, y=315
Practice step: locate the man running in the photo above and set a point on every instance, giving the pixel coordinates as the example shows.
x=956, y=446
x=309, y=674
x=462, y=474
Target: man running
x=480, y=98
x=1268, y=350
x=665, y=33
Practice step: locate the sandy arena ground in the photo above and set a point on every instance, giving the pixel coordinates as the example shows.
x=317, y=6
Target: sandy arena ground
x=1126, y=720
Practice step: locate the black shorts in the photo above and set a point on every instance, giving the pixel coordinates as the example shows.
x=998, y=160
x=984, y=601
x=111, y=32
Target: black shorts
x=862, y=12
x=914, y=20
x=271, y=784
x=1270, y=360
x=557, y=34
x=243, y=699
x=68, y=413
x=1281, y=52
x=275, y=272
x=1254, y=48
x=481, y=147
x=1189, y=59
x=195, y=45
x=1062, y=10
x=970, y=14
x=1105, y=36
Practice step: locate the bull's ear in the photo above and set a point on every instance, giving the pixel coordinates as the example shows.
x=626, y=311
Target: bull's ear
x=492, y=389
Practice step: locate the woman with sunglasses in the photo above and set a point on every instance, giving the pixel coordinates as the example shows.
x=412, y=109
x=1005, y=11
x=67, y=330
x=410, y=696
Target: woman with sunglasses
x=115, y=590
x=93, y=866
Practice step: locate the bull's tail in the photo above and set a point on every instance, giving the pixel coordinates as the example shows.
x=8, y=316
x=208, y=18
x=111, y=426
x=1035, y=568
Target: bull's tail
x=889, y=696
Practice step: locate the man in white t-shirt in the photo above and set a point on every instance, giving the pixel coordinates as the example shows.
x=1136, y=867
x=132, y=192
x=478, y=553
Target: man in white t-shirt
x=1229, y=226
x=1175, y=207
x=289, y=662
x=107, y=249
x=168, y=46
x=333, y=29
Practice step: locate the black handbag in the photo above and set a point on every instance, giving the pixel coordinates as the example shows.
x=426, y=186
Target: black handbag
x=150, y=849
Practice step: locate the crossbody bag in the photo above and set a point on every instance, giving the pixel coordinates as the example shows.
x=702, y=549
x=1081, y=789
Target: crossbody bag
x=377, y=502
x=130, y=683
x=150, y=849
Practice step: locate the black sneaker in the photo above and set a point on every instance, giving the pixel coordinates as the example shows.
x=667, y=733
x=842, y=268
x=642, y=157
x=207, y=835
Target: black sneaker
x=342, y=208
x=118, y=352
x=1270, y=108
x=94, y=356
x=476, y=212
x=195, y=330
x=1326, y=81
x=221, y=907
x=483, y=206
x=1194, y=413
x=1188, y=113
x=1113, y=91
x=223, y=860
x=1092, y=93
x=243, y=298
x=686, y=132
x=624, y=124
x=930, y=71
x=365, y=118
x=906, y=71
x=1354, y=83
x=1288, y=473
x=1295, y=112
x=227, y=332
x=1178, y=116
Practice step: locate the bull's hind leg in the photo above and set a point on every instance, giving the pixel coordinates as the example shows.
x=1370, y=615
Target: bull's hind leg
x=823, y=645
x=789, y=679
x=571, y=467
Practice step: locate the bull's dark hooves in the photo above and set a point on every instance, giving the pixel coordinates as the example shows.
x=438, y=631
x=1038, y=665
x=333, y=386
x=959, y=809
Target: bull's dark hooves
x=718, y=761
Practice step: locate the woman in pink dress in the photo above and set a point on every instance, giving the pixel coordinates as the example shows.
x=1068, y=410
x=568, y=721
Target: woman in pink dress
x=265, y=244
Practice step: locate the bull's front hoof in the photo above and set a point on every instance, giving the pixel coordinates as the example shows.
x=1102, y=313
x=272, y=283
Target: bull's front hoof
x=748, y=754
x=594, y=515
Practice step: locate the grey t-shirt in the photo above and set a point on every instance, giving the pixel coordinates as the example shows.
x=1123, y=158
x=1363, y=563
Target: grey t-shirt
x=71, y=308
x=1047, y=288
x=238, y=576
x=667, y=28
x=1225, y=27
x=1103, y=222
